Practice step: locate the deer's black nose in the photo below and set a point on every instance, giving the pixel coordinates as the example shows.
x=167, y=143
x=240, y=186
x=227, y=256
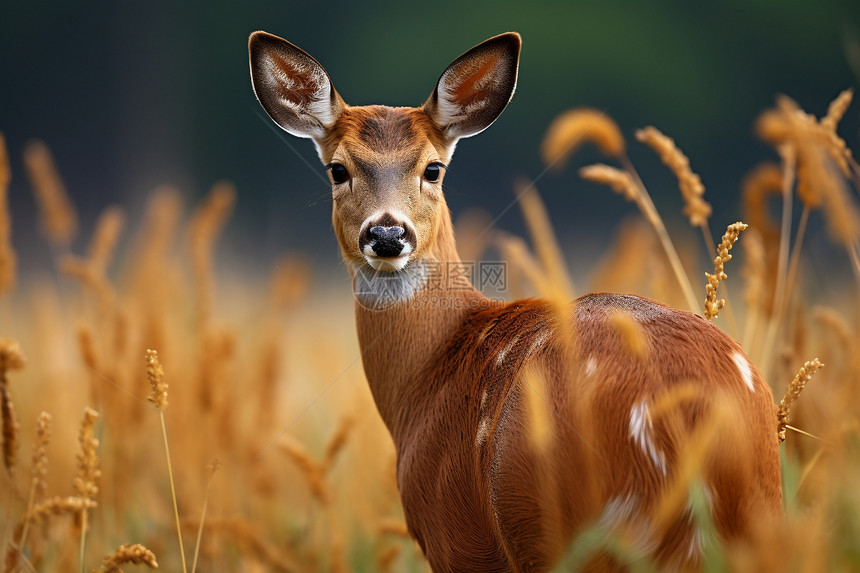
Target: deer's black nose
x=382, y=233
x=385, y=241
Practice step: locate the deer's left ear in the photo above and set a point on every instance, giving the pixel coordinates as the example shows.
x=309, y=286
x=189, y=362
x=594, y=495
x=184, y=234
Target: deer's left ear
x=476, y=87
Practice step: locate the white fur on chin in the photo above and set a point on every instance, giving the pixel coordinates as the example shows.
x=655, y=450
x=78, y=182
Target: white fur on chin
x=389, y=265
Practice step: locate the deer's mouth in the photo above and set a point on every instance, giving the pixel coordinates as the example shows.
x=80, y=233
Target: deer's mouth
x=387, y=263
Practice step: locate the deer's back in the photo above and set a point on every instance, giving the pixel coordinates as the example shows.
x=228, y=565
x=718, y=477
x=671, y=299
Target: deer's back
x=621, y=399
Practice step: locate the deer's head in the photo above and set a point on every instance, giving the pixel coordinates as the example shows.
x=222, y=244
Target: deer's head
x=386, y=165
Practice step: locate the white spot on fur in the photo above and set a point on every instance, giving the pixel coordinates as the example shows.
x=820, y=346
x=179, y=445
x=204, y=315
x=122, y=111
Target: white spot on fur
x=483, y=431
x=500, y=358
x=641, y=429
x=745, y=369
x=483, y=400
x=590, y=366
x=539, y=339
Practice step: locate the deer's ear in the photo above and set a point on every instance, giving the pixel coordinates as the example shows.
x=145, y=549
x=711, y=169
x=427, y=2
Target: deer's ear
x=476, y=87
x=292, y=86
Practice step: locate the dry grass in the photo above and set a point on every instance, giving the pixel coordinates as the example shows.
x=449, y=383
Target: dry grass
x=8, y=259
x=135, y=554
x=264, y=374
x=577, y=126
x=804, y=375
x=630, y=332
x=11, y=358
x=59, y=220
x=712, y=304
x=692, y=191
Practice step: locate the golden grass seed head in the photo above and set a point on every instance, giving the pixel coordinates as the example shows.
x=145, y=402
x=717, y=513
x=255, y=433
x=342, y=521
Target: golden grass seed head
x=58, y=218
x=59, y=505
x=135, y=554
x=155, y=377
x=803, y=377
x=837, y=109
x=86, y=482
x=10, y=430
x=712, y=305
x=692, y=191
x=11, y=358
x=105, y=238
x=619, y=181
x=40, y=454
x=577, y=126
x=815, y=144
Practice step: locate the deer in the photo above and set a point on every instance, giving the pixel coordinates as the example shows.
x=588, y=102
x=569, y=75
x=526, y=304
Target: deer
x=451, y=370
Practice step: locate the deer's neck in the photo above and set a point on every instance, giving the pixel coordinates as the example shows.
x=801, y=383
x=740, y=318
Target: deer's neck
x=405, y=320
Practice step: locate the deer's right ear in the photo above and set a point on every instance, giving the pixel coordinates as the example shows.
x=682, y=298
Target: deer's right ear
x=292, y=86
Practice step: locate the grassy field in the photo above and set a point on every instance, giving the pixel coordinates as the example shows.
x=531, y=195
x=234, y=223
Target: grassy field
x=278, y=460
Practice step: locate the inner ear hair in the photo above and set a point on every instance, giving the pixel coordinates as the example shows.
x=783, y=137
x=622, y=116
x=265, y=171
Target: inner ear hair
x=474, y=90
x=293, y=88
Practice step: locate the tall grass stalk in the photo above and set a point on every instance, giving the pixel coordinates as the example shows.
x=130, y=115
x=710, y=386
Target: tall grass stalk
x=83, y=545
x=173, y=491
x=650, y=212
x=26, y=527
x=789, y=165
x=214, y=467
x=794, y=263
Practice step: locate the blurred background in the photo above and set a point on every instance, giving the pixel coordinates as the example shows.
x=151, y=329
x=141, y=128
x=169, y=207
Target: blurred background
x=130, y=95
x=260, y=348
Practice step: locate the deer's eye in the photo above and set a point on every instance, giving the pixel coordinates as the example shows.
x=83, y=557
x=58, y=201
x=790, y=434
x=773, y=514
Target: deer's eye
x=432, y=172
x=339, y=174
